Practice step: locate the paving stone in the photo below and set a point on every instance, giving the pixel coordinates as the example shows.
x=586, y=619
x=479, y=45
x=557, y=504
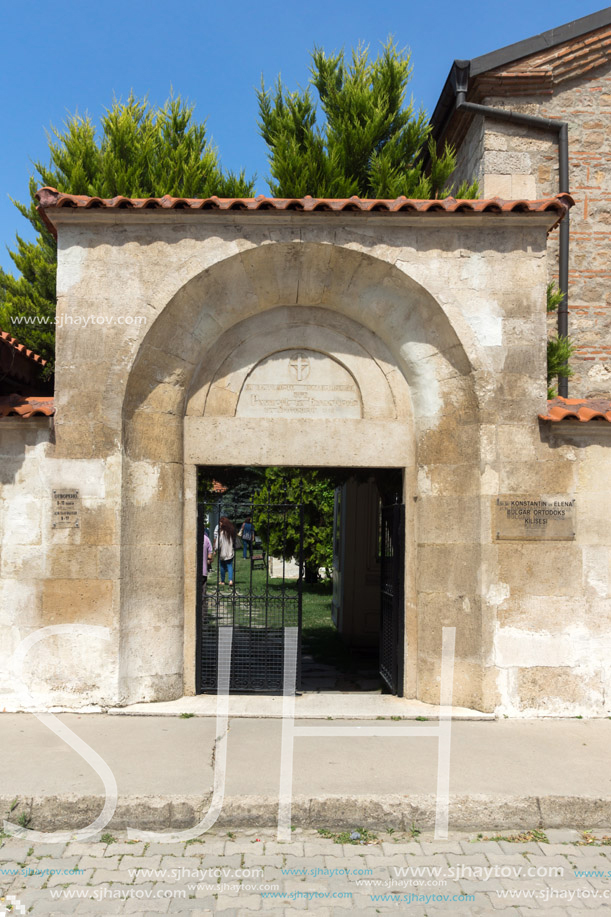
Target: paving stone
x=168, y=849
x=240, y=847
x=93, y=908
x=88, y=862
x=140, y=862
x=546, y=863
x=55, y=908
x=102, y=876
x=262, y=860
x=152, y=905
x=295, y=848
x=209, y=909
x=27, y=881
x=135, y=848
x=550, y=911
x=506, y=859
x=473, y=847
x=552, y=850
x=562, y=835
x=221, y=862
x=205, y=848
x=14, y=850
x=247, y=903
x=84, y=849
x=519, y=847
x=81, y=878
x=429, y=848
x=188, y=906
x=473, y=859
x=49, y=850
x=320, y=912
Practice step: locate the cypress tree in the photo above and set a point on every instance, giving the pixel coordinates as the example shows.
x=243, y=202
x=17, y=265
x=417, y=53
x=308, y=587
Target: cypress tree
x=370, y=140
x=141, y=152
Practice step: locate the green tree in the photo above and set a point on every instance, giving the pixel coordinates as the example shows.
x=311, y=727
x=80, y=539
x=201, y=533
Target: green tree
x=141, y=151
x=559, y=348
x=370, y=141
x=279, y=530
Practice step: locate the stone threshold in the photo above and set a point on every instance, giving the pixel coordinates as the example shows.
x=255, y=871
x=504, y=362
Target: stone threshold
x=334, y=705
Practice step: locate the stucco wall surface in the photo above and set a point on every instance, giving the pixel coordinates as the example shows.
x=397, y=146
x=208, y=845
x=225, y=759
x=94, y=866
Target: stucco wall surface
x=441, y=325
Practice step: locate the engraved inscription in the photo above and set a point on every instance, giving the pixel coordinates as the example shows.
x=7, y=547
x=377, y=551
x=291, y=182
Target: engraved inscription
x=301, y=383
x=517, y=518
x=66, y=509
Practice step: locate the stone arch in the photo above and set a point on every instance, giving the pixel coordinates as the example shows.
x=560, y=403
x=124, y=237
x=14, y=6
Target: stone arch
x=216, y=327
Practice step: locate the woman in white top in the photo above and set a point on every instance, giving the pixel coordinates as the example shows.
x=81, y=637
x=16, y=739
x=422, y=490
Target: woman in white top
x=224, y=544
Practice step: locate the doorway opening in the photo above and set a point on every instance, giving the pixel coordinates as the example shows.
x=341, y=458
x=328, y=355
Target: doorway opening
x=319, y=550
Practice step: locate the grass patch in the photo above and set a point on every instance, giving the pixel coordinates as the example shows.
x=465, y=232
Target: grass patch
x=358, y=836
x=320, y=637
x=522, y=838
x=588, y=839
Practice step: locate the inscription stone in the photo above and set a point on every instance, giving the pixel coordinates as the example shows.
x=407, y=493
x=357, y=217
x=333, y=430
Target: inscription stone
x=299, y=383
x=527, y=518
x=66, y=509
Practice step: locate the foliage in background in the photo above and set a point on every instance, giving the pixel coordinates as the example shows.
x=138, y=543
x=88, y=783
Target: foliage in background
x=280, y=532
x=370, y=140
x=142, y=152
x=559, y=348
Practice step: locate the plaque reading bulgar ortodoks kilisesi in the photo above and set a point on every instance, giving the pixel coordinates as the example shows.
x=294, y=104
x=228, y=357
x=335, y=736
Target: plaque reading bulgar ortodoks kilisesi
x=517, y=518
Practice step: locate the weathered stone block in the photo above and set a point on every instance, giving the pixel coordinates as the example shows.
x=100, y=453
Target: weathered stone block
x=70, y=600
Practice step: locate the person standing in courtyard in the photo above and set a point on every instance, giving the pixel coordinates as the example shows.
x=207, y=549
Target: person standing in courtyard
x=224, y=545
x=247, y=534
x=207, y=561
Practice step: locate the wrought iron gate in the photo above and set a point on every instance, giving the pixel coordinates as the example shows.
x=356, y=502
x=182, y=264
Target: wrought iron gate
x=264, y=598
x=392, y=603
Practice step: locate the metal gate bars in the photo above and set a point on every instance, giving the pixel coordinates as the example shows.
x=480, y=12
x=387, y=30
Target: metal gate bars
x=257, y=592
x=392, y=550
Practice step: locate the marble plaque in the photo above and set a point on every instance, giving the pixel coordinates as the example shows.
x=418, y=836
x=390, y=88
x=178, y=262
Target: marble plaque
x=299, y=383
x=66, y=512
x=528, y=518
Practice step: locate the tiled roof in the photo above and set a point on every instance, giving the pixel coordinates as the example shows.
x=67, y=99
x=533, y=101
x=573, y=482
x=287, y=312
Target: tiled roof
x=582, y=409
x=50, y=198
x=552, y=65
x=26, y=406
x=14, y=343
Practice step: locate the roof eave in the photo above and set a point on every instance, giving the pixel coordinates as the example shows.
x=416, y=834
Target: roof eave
x=509, y=54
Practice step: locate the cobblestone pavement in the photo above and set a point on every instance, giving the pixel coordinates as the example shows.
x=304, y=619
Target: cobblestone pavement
x=248, y=871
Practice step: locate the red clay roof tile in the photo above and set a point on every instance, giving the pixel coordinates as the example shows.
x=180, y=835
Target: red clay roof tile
x=51, y=198
x=26, y=406
x=581, y=409
x=14, y=343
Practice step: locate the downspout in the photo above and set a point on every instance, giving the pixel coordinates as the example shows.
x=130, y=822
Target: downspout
x=561, y=128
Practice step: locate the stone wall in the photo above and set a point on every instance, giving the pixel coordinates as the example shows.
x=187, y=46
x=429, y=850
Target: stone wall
x=513, y=162
x=440, y=322
x=549, y=602
x=56, y=576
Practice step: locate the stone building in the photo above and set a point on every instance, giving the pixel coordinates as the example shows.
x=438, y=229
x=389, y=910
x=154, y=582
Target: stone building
x=563, y=75
x=424, y=323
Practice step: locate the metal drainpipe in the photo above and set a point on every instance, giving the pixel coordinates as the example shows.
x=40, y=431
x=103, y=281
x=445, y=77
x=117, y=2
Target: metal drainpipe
x=560, y=128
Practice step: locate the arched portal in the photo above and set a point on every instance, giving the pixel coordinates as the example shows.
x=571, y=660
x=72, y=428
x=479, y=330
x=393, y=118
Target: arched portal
x=398, y=390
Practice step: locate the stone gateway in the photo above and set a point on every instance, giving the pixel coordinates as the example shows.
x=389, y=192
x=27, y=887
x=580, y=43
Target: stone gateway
x=355, y=334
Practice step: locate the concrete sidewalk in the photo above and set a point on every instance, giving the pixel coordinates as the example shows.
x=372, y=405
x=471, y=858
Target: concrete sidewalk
x=504, y=774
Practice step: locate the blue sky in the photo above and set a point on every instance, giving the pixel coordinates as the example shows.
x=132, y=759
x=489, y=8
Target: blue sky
x=68, y=55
